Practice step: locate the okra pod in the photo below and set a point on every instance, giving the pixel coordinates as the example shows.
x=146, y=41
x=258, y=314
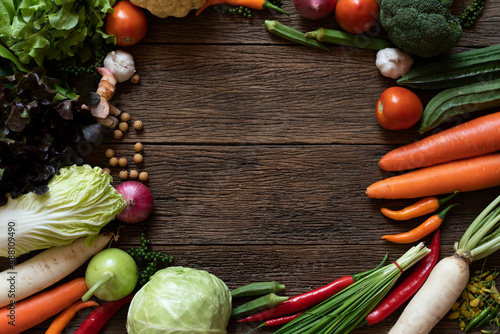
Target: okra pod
x=257, y=289
x=344, y=38
x=262, y=303
x=279, y=29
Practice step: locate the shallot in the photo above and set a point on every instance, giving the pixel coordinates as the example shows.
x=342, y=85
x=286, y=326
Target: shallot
x=315, y=9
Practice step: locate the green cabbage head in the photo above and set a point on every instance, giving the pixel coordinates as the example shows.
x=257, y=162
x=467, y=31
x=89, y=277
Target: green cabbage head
x=179, y=300
x=80, y=201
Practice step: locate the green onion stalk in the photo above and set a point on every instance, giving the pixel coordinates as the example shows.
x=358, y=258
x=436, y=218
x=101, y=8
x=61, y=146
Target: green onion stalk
x=344, y=311
x=482, y=238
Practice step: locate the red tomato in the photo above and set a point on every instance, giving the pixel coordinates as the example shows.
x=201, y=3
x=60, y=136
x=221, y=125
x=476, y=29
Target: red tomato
x=356, y=16
x=127, y=22
x=398, y=108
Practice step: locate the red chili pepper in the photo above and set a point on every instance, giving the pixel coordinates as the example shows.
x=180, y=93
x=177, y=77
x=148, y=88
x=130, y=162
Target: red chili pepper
x=408, y=287
x=101, y=315
x=281, y=320
x=307, y=299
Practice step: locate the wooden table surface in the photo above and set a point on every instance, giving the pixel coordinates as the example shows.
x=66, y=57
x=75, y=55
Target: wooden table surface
x=259, y=152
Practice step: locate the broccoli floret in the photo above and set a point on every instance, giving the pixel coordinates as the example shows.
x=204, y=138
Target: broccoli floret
x=423, y=28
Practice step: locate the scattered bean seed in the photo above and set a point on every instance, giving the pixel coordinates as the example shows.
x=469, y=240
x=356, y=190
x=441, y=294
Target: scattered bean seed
x=123, y=174
x=113, y=161
x=138, y=158
x=138, y=125
x=106, y=170
x=138, y=147
x=143, y=176
x=134, y=174
x=109, y=153
x=123, y=126
x=125, y=117
x=117, y=134
x=123, y=162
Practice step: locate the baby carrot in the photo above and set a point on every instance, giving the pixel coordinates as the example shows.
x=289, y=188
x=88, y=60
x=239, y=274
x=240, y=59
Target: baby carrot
x=463, y=175
x=255, y=4
x=473, y=138
x=430, y=225
x=34, y=310
x=63, y=319
x=420, y=208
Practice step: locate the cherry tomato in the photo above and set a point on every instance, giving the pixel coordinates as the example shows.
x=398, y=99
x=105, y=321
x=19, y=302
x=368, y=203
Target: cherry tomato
x=127, y=22
x=398, y=108
x=356, y=16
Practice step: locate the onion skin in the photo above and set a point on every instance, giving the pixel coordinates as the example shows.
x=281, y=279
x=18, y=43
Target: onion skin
x=315, y=9
x=139, y=202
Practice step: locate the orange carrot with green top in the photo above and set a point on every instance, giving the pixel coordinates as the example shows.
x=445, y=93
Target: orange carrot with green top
x=27, y=313
x=473, y=138
x=462, y=175
x=255, y=4
x=63, y=319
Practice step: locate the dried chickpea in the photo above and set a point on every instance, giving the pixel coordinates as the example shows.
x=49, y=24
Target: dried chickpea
x=135, y=78
x=123, y=174
x=123, y=162
x=117, y=134
x=138, y=147
x=106, y=170
x=123, y=126
x=138, y=125
x=138, y=158
x=143, y=176
x=109, y=153
x=125, y=117
x=134, y=174
x=113, y=161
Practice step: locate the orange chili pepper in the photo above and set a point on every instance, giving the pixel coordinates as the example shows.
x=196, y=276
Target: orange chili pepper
x=420, y=208
x=430, y=225
x=63, y=319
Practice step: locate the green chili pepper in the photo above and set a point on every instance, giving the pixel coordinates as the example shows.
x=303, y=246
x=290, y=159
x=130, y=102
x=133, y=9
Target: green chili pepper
x=478, y=318
x=487, y=319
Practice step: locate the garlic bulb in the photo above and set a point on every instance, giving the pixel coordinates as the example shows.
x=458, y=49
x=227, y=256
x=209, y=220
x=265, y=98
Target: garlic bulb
x=393, y=63
x=121, y=64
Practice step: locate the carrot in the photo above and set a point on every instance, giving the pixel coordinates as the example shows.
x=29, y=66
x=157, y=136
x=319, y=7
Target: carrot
x=255, y=4
x=63, y=319
x=48, y=267
x=462, y=175
x=21, y=316
x=476, y=137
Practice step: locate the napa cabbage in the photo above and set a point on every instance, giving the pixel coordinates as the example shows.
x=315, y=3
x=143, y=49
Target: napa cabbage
x=80, y=201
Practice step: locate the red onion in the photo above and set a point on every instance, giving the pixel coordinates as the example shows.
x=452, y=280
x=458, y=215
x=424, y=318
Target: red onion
x=139, y=202
x=315, y=9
